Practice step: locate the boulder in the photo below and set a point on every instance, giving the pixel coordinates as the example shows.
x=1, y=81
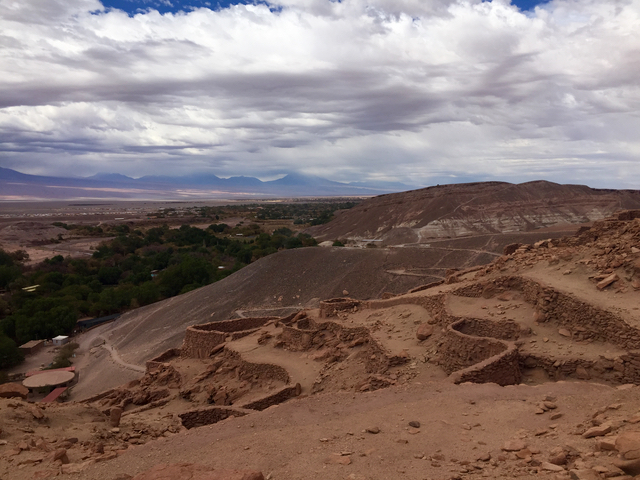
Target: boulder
x=424, y=331
x=628, y=445
x=10, y=390
x=630, y=467
x=188, y=471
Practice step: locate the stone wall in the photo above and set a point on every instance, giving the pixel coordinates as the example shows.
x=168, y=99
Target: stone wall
x=280, y=396
x=434, y=304
x=331, y=308
x=201, y=340
x=207, y=416
x=481, y=327
x=585, y=321
x=247, y=370
x=461, y=350
x=501, y=369
x=164, y=357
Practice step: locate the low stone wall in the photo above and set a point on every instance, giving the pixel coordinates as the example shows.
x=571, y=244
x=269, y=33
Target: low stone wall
x=462, y=350
x=247, y=370
x=501, y=369
x=468, y=357
x=164, y=357
x=279, y=397
x=584, y=320
x=201, y=340
x=434, y=304
x=331, y=308
x=208, y=416
x=426, y=287
x=503, y=330
x=235, y=325
x=561, y=369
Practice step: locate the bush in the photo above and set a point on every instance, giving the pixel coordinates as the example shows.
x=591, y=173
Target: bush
x=338, y=243
x=63, y=358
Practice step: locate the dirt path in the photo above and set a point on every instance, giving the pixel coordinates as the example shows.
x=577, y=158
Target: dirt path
x=115, y=356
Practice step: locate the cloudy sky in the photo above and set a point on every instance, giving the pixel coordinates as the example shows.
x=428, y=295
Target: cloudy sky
x=418, y=91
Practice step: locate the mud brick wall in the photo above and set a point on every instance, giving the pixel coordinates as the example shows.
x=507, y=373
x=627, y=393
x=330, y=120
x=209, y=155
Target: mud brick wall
x=281, y=396
x=207, y=416
x=460, y=350
x=503, y=330
x=502, y=369
x=330, y=308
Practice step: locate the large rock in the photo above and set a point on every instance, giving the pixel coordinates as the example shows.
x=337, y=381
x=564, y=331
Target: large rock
x=189, y=471
x=598, y=431
x=424, y=331
x=10, y=390
x=630, y=467
x=628, y=445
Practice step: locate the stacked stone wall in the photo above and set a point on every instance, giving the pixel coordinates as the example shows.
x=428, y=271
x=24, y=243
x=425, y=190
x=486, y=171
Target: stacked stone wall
x=331, y=308
x=502, y=369
x=208, y=416
x=460, y=350
x=584, y=320
x=201, y=340
x=279, y=397
x=164, y=357
x=247, y=370
x=199, y=343
x=503, y=330
x=434, y=304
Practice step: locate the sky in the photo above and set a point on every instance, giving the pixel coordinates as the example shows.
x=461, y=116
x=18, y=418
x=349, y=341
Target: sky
x=416, y=91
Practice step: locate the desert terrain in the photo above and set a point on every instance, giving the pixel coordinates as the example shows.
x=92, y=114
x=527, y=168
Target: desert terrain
x=487, y=356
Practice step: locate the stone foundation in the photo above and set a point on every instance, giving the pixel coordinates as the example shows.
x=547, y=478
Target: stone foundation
x=331, y=308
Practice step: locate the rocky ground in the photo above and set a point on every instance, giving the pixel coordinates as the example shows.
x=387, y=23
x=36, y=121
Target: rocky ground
x=573, y=414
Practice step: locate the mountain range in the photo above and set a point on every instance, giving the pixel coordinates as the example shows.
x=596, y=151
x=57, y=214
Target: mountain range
x=20, y=186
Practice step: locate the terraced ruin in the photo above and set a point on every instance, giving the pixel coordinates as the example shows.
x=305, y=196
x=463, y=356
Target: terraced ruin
x=496, y=324
x=557, y=322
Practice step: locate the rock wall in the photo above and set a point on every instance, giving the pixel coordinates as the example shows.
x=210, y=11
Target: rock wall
x=281, y=396
x=585, y=321
x=481, y=327
x=331, y=308
x=501, y=369
x=200, y=340
x=164, y=357
x=461, y=350
x=207, y=416
x=247, y=370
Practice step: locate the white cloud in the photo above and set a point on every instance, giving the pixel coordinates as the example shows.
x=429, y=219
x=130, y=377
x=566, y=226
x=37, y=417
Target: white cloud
x=408, y=89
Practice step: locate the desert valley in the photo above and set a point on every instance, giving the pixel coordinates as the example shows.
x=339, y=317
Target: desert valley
x=485, y=330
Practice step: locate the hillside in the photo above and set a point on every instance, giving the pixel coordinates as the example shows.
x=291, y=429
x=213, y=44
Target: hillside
x=451, y=211
x=527, y=367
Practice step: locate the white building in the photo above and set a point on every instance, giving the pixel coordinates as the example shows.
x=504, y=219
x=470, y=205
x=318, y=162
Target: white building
x=60, y=340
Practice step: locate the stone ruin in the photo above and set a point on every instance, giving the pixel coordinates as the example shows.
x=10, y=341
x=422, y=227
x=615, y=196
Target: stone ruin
x=468, y=348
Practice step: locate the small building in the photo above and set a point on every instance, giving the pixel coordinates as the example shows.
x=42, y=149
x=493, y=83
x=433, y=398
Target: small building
x=60, y=340
x=31, y=347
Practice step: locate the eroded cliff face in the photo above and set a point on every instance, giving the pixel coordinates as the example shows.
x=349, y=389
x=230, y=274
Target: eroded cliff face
x=452, y=211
